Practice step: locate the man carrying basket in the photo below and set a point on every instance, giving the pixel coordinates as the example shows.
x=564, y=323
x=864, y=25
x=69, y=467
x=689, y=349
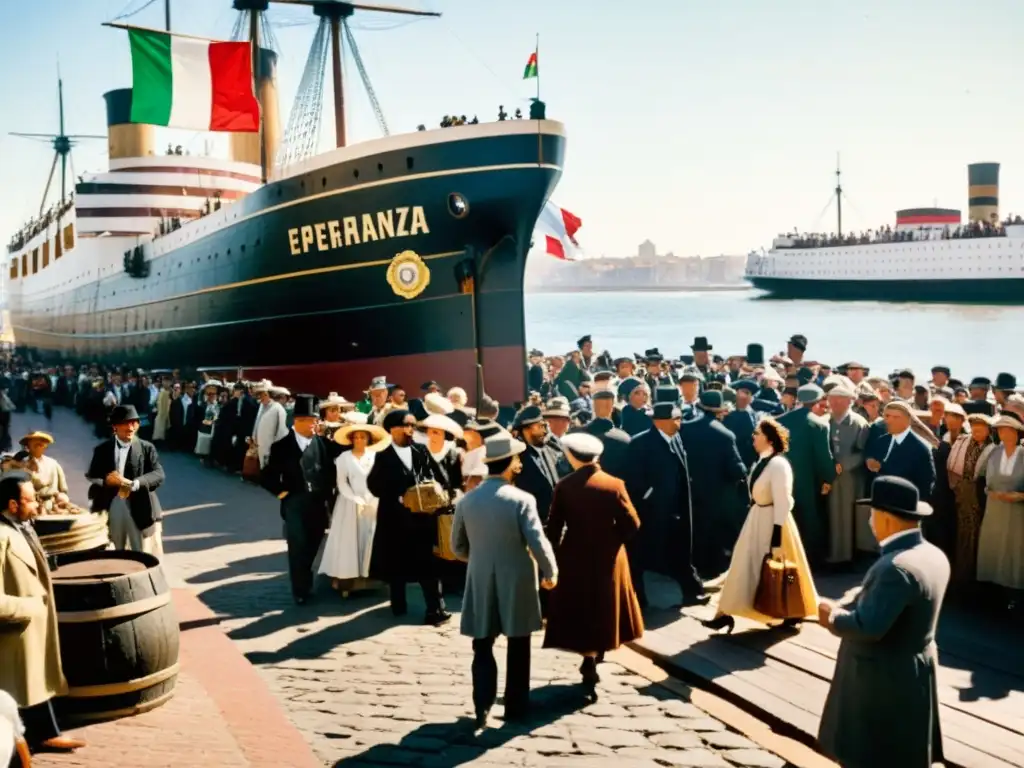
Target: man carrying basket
x=406, y=482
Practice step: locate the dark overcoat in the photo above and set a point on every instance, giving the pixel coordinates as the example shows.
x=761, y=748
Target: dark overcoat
x=719, y=492
x=594, y=606
x=883, y=705
x=635, y=420
x=403, y=543
x=615, y=456
x=142, y=464
x=742, y=424
x=810, y=455
x=539, y=475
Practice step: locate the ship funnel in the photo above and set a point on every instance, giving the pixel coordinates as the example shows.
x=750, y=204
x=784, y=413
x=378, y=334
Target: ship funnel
x=125, y=138
x=245, y=147
x=983, y=192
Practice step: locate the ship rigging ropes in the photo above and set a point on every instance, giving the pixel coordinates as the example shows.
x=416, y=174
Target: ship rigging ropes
x=350, y=39
x=303, y=132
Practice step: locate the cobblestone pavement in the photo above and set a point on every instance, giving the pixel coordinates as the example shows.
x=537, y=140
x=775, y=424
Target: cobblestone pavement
x=366, y=689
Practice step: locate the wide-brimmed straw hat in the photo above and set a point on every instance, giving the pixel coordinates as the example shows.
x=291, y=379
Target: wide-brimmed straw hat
x=37, y=435
x=261, y=386
x=444, y=423
x=334, y=400
x=379, y=439
x=1006, y=420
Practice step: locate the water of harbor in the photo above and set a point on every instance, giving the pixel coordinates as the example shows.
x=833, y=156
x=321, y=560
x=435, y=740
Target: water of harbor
x=972, y=340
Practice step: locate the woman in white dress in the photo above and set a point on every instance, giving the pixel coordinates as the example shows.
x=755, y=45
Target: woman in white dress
x=350, y=540
x=769, y=528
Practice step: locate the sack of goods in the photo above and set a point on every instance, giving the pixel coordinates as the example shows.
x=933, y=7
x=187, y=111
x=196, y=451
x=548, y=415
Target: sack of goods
x=425, y=498
x=779, y=592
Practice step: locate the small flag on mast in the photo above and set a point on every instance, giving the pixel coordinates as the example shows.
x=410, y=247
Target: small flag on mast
x=531, y=67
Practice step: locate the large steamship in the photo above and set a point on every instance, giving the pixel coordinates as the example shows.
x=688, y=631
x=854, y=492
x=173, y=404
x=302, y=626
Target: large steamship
x=401, y=256
x=929, y=256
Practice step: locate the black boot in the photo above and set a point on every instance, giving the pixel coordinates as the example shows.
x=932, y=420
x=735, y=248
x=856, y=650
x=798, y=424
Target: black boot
x=590, y=677
x=721, y=621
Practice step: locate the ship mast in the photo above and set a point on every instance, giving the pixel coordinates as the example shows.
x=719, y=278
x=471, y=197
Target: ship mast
x=839, y=198
x=62, y=144
x=338, y=11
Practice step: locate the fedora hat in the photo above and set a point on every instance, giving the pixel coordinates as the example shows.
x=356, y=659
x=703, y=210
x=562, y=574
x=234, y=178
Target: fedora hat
x=378, y=382
x=712, y=401
x=1005, y=382
x=123, y=413
x=37, y=435
x=557, y=407
x=442, y=422
x=531, y=414
x=435, y=402
x=809, y=394
x=379, y=439
x=502, y=446
x=700, y=344
x=1006, y=420
x=897, y=496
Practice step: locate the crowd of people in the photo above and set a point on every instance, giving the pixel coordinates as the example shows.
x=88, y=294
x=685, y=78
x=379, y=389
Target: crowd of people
x=887, y=234
x=549, y=514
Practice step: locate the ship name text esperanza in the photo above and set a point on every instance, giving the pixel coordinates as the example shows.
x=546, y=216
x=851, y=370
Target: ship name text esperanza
x=353, y=230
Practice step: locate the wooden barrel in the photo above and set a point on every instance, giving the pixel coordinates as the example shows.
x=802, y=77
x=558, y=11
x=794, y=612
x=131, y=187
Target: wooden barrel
x=119, y=635
x=61, y=534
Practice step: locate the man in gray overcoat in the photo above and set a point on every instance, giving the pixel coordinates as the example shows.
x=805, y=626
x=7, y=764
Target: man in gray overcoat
x=848, y=434
x=883, y=706
x=498, y=530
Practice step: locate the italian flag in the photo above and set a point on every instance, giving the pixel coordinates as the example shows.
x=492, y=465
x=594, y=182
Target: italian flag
x=184, y=82
x=531, y=67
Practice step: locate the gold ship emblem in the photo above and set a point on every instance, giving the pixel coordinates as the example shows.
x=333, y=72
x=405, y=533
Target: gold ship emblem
x=408, y=275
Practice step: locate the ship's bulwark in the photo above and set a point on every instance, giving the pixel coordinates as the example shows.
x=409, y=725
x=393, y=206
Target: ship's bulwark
x=326, y=318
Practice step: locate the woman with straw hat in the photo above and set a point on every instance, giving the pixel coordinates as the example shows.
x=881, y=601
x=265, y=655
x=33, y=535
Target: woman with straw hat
x=47, y=475
x=1001, y=540
x=350, y=540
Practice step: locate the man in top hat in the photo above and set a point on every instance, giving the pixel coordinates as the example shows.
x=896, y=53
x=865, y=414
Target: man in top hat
x=814, y=468
x=700, y=348
x=1004, y=386
x=125, y=473
x=658, y=480
x=300, y=472
x=883, y=704
x=497, y=528
x=404, y=541
x=30, y=662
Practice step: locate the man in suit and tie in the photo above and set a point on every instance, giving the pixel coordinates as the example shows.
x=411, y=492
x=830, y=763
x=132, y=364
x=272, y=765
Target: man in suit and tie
x=902, y=453
x=615, y=454
x=658, y=481
x=125, y=473
x=30, y=666
x=300, y=472
x=883, y=704
x=742, y=420
x=540, y=462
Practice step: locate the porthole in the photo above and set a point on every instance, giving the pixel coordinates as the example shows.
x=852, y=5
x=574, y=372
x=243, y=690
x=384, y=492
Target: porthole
x=380, y=167
x=458, y=206
x=408, y=163
x=355, y=173
x=323, y=182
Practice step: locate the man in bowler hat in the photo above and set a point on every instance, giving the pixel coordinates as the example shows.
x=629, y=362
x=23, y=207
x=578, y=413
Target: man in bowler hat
x=125, y=473
x=300, y=472
x=883, y=704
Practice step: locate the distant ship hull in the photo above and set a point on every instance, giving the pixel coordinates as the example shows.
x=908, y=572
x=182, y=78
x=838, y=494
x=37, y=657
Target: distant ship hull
x=1001, y=291
x=230, y=291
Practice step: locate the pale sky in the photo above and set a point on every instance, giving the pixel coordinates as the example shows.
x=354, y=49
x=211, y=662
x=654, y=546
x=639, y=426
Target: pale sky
x=708, y=127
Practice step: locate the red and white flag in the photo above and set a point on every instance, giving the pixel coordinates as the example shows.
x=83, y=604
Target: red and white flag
x=558, y=227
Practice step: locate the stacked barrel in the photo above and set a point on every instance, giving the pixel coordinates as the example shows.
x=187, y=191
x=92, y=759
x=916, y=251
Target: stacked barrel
x=983, y=192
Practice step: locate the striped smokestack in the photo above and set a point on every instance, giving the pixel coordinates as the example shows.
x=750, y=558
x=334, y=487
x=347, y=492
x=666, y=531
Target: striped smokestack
x=983, y=192
x=125, y=138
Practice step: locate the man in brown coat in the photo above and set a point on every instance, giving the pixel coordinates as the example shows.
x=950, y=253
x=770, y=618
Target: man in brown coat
x=593, y=607
x=30, y=669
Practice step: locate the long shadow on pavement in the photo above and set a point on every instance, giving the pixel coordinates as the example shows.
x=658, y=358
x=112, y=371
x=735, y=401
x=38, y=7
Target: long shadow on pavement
x=446, y=745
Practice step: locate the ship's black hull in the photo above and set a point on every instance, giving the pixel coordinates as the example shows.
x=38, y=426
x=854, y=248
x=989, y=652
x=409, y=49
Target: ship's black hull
x=327, y=318
x=1002, y=291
